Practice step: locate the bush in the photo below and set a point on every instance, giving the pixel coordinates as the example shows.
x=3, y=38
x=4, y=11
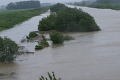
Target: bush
x=33, y=34
x=38, y=47
x=42, y=44
x=56, y=38
x=8, y=49
x=51, y=77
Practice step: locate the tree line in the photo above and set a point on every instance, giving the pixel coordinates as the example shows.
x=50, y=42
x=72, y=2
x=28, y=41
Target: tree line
x=108, y=1
x=24, y=5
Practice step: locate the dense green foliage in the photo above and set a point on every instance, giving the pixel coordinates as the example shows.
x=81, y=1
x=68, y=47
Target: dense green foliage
x=68, y=20
x=47, y=23
x=50, y=77
x=56, y=38
x=8, y=49
x=104, y=4
x=42, y=44
x=107, y=1
x=23, y=5
x=38, y=47
x=9, y=18
x=57, y=7
x=32, y=34
x=113, y=6
x=73, y=19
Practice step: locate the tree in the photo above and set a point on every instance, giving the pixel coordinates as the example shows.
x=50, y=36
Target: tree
x=57, y=7
x=8, y=49
x=108, y=1
x=32, y=34
x=24, y=5
x=56, y=38
x=71, y=19
x=68, y=20
x=48, y=23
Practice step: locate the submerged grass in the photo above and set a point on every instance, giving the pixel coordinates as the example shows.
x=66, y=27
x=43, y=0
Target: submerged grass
x=9, y=18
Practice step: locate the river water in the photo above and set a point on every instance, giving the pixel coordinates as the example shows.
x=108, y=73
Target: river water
x=91, y=56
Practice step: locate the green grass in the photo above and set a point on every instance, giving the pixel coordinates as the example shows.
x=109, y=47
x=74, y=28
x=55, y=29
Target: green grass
x=9, y=18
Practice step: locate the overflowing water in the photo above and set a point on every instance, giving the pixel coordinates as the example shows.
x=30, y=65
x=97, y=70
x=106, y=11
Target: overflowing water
x=91, y=56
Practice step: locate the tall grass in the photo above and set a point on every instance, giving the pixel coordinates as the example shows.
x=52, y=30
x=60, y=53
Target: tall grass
x=9, y=18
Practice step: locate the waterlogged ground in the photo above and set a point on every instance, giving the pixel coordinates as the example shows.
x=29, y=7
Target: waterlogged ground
x=91, y=56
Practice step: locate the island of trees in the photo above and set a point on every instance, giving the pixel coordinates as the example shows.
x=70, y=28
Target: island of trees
x=65, y=19
x=24, y=5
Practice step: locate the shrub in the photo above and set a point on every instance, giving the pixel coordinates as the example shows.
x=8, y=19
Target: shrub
x=51, y=77
x=33, y=34
x=56, y=38
x=8, y=49
x=42, y=44
x=38, y=47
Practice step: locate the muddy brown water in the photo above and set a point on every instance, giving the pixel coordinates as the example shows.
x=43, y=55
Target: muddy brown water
x=91, y=56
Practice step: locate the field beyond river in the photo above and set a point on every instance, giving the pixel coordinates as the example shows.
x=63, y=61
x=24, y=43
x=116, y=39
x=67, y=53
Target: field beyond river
x=9, y=18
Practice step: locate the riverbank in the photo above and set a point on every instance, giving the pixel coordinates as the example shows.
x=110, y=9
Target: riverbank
x=10, y=18
x=106, y=6
x=113, y=6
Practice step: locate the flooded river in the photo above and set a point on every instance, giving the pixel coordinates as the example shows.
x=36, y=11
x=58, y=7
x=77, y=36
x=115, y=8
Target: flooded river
x=91, y=56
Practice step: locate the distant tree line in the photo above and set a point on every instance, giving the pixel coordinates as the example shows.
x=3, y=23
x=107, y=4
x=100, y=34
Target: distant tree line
x=24, y=5
x=108, y=1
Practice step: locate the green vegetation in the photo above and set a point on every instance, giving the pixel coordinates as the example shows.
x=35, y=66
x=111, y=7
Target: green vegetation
x=51, y=77
x=66, y=19
x=38, y=47
x=9, y=18
x=57, y=7
x=32, y=35
x=104, y=4
x=24, y=5
x=113, y=6
x=56, y=38
x=8, y=49
x=47, y=23
x=107, y=1
x=42, y=44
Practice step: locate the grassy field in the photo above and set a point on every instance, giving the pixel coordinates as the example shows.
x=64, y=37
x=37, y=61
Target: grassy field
x=9, y=18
